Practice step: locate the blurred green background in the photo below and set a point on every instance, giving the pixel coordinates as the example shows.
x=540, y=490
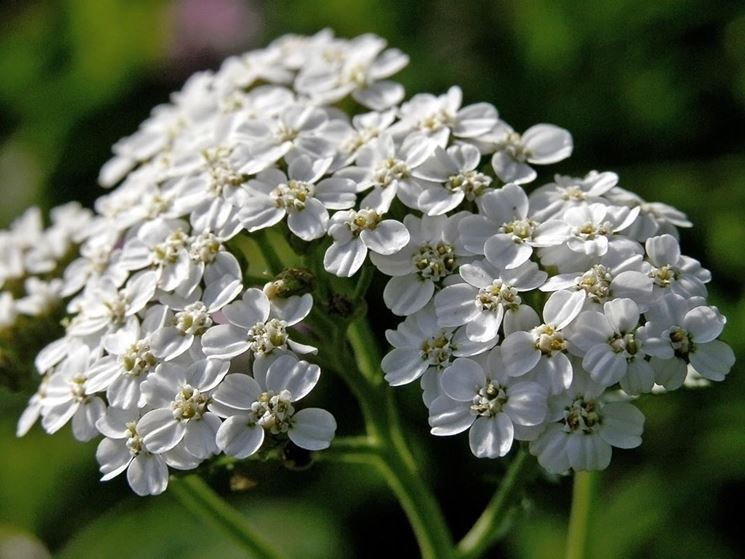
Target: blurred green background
x=652, y=90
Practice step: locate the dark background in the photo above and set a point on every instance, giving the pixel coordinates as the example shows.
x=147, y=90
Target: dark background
x=652, y=90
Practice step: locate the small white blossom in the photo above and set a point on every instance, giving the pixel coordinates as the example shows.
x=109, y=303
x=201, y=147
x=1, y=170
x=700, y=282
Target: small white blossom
x=480, y=396
x=584, y=427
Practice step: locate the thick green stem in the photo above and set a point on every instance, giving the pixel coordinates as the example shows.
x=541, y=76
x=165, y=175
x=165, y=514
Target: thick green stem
x=203, y=502
x=490, y=525
x=397, y=464
x=582, y=494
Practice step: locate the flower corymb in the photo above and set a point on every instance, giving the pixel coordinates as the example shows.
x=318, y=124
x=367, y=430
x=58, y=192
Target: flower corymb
x=214, y=287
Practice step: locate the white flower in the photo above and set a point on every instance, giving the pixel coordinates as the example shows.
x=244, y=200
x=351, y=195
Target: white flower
x=97, y=260
x=365, y=128
x=305, y=203
x=129, y=361
x=421, y=347
x=179, y=396
x=440, y=116
x=671, y=271
x=388, y=170
x=104, y=307
x=487, y=295
x=251, y=328
x=586, y=230
x=65, y=397
x=122, y=449
x=502, y=231
x=160, y=245
x=584, y=429
x=609, y=345
x=456, y=178
x=264, y=406
x=356, y=232
x=194, y=103
x=432, y=254
x=182, y=327
x=297, y=130
x=681, y=333
x=619, y=274
x=482, y=397
x=542, y=349
x=655, y=218
x=541, y=144
x=360, y=69
x=242, y=71
x=553, y=199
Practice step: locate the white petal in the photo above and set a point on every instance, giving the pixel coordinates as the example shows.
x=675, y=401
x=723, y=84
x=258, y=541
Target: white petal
x=526, y=403
x=475, y=230
x=311, y=222
x=403, y=365
x=485, y=326
x=712, y=360
x=622, y=425
x=380, y=95
x=160, y=431
x=670, y=373
x=455, y=305
x=237, y=392
x=509, y=170
x=562, y=307
x=622, y=314
x=114, y=457
x=587, y=452
x=344, y=260
x=550, y=449
x=663, y=250
x=287, y=373
x=312, y=429
x=462, y=380
x=387, y=238
x=236, y=437
x=547, y=143
x=519, y=353
x=639, y=377
x=85, y=418
x=199, y=439
x=168, y=343
x=225, y=341
x=604, y=365
x=703, y=323
x=448, y=417
x=148, y=475
x=405, y=295
x=491, y=437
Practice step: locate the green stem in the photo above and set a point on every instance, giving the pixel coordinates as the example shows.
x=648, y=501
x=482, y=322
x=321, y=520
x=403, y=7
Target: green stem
x=266, y=247
x=397, y=464
x=363, y=282
x=351, y=450
x=490, y=525
x=203, y=502
x=579, y=520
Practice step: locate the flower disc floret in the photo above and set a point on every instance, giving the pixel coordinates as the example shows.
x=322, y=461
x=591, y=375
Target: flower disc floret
x=435, y=261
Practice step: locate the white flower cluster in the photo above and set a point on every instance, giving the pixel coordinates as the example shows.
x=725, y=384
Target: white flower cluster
x=524, y=313
x=538, y=317
x=30, y=255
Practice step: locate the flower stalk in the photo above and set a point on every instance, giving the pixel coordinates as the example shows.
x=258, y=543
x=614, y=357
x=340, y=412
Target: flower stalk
x=196, y=495
x=579, y=520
